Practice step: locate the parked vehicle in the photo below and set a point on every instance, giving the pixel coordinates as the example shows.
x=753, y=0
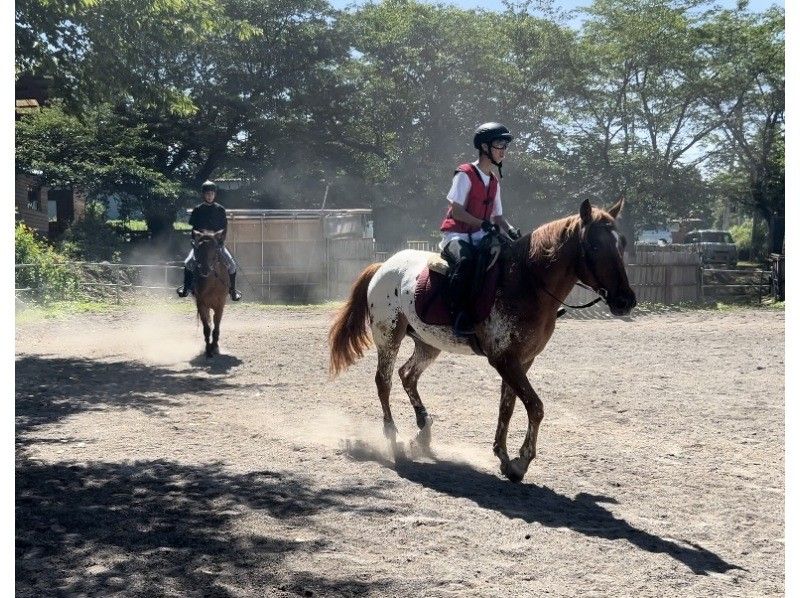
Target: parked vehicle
x=715, y=246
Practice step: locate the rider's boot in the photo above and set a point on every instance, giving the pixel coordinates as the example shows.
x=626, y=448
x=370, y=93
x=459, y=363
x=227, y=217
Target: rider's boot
x=186, y=288
x=235, y=295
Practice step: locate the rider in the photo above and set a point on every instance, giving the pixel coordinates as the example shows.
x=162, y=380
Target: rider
x=209, y=215
x=475, y=209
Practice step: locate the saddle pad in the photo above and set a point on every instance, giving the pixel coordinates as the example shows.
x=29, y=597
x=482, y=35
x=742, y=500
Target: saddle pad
x=429, y=297
x=438, y=264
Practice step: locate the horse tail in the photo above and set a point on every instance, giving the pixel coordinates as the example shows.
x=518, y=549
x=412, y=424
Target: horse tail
x=349, y=334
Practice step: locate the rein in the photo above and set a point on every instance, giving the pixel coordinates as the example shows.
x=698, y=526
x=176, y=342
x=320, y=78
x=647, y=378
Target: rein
x=211, y=267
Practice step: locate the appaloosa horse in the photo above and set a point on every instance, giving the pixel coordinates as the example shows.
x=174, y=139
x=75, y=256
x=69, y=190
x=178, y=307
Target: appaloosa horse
x=211, y=284
x=537, y=273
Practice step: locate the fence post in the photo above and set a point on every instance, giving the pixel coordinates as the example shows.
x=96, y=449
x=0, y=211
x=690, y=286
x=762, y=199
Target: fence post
x=118, y=283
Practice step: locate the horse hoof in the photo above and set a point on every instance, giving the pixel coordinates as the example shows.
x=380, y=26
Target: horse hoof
x=514, y=470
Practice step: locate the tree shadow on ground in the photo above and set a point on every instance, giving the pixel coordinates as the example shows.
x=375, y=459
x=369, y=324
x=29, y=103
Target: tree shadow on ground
x=161, y=528
x=539, y=504
x=50, y=388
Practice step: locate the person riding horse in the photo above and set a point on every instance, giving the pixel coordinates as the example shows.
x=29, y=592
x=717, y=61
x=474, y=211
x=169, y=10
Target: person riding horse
x=475, y=209
x=209, y=215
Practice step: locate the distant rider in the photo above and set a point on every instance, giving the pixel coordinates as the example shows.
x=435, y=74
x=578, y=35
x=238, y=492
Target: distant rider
x=209, y=215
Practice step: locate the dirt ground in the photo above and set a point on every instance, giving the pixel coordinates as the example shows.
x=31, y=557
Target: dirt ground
x=144, y=469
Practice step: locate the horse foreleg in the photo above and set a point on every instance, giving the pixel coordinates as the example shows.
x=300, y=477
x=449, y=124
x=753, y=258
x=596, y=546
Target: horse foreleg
x=508, y=400
x=423, y=355
x=514, y=375
x=215, y=336
x=204, y=314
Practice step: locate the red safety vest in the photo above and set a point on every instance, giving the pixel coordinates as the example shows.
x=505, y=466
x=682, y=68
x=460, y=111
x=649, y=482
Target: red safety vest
x=480, y=201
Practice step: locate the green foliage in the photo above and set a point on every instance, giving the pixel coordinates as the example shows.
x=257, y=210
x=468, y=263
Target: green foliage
x=750, y=243
x=42, y=268
x=91, y=239
x=101, y=152
x=649, y=98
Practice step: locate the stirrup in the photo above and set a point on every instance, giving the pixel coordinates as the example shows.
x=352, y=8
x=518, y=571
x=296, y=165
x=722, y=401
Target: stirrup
x=459, y=329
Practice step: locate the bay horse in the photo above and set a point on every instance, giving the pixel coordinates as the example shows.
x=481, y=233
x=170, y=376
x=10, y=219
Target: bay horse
x=537, y=273
x=211, y=283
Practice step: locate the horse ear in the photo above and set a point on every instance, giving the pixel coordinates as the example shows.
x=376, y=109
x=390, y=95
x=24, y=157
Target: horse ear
x=617, y=207
x=586, y=211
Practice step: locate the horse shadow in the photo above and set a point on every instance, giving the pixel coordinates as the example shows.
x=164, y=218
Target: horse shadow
x=538, y=504
x=219, y=364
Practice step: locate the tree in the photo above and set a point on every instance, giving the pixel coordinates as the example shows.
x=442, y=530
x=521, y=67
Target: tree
x=102, y=154
x=747, y=94
x=637, y=100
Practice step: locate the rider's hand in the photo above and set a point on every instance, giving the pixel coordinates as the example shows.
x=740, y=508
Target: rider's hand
x=514, y=233
x=487, y=226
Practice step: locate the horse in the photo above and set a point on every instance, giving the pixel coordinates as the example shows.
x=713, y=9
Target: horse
x=211, y=284
x=537, y=273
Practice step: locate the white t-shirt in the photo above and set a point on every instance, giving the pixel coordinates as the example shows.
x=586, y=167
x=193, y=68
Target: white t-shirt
x=458, y=193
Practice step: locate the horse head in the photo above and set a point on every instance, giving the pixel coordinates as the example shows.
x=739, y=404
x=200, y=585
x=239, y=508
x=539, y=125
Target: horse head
x=601, y=264
x=206, y=250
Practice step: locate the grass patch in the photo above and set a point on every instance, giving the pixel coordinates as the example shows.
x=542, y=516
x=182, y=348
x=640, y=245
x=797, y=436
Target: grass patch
x=62, y=309
x=141, y=225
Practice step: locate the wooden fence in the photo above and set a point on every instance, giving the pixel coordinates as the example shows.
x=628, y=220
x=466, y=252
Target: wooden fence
x=665, y=274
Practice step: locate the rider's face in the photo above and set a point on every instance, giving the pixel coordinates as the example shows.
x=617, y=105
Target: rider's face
x=497, y=150
x=208, y=196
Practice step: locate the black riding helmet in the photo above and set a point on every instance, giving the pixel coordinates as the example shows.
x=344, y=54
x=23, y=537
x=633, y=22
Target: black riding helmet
x=487, y=133
x=208, y=186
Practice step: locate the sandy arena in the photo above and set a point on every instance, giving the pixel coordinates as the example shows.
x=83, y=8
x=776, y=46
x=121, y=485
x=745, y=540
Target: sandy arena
x=144, y=469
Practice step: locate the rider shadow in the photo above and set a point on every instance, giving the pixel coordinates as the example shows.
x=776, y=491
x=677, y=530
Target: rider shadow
x=219, y=364
x=539, y=504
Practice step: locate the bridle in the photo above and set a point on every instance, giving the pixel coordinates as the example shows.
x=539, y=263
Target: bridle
x=584, y=251
x=214, y=259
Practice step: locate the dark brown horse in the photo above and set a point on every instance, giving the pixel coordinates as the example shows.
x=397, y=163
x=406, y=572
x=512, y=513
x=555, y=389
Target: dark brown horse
x=211, y=285
x=538, y=272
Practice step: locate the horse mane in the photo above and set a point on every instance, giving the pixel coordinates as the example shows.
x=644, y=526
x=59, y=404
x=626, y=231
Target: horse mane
x=549, y=238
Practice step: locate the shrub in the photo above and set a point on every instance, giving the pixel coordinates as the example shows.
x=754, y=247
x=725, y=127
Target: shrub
x=743, y=237
x=45, y=271
x=91, y=238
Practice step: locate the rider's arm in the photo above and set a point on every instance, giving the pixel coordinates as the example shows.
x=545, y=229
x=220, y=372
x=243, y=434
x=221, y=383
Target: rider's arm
x=225, y=225
x=457, y=197
x=460, y=214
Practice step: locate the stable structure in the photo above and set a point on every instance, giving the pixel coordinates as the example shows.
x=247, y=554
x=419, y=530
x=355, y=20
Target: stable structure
x=299, y=256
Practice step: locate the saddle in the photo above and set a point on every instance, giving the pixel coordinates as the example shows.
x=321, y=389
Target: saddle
x=430, y=294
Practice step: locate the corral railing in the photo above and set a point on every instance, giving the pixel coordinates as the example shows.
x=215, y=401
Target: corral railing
x=94, y=280
x=664, y=276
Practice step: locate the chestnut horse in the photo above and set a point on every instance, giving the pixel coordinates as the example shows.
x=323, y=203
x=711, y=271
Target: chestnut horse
x=537, y=273
x=211, y=283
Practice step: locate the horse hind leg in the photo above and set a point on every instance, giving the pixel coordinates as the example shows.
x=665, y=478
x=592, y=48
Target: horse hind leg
x=387, y=337
x=423, y=355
